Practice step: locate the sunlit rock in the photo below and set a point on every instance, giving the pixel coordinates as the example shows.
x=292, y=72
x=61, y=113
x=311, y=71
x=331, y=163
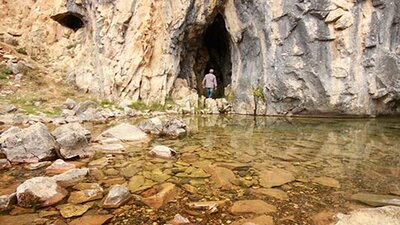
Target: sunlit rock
x=327, y=181
x=59, y=166
x=70, y=210
x=209, y=206
x=73, y=140
x=163, y=152
x=71, y=177
x=275, y=177
x=86, y=195
x=40, y=191
x=31, y=144
x=123, y=132
x=160, y=195
x=116, y=197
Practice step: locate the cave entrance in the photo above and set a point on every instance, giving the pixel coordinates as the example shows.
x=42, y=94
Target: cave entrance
x=215, y=53
x=71, y=20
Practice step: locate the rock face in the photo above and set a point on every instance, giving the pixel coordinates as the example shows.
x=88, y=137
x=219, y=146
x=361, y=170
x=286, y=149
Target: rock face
x=304, y=57
x=31, y=144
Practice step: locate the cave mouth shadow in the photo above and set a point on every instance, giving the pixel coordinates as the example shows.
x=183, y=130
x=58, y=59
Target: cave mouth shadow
x=216, y=45
x=207, y=48
x=71, y=20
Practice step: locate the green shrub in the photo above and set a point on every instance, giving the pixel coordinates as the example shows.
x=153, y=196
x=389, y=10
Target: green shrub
x=22, y=51
x=258, y=92
x=5, y=72
x=141, y=106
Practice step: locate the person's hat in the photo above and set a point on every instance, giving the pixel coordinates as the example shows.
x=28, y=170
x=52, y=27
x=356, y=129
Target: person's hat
x=211, y=71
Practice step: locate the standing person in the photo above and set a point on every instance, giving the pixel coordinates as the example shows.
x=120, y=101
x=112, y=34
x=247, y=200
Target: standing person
x=210, y=83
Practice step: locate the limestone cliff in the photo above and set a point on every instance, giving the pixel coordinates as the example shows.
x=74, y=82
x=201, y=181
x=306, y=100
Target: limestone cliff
x=307, y=56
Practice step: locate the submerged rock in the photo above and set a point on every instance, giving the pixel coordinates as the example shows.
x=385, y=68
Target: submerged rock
x=327, y=181
x=221, y=176
x=116, y=197
x=123, y=132
x=86, y=195
x=163, y=152
x=275, y=177
x=275, y=193
x=59, y=166
x=260, y=220
x=388, y=215
x=40, y=191
x=73, y=140
x=92, y=220
x=210, y=206
x=376, y=200
x=179, y=220
x=31, y=144
x=69, y=210
x=251, y=207
x=162, y=194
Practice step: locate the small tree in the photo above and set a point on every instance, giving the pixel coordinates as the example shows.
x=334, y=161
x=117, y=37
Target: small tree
x=258, y=94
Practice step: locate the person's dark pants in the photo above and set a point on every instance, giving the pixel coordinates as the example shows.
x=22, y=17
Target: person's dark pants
x=209, y=92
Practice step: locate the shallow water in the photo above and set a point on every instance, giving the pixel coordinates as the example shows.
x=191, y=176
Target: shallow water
x=363, y=155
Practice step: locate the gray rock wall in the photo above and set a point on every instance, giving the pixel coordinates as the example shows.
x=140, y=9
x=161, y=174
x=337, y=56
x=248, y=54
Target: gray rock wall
x=323, y=57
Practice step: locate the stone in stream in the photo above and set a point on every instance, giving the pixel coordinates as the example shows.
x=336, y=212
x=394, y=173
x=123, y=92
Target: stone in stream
x=31, y=144
x=70, y=210
x=260, y=220
x=210, y=206
x=251, y=207
x=160, y=195
x=59, y=166
x=38, y=165
x=221, y=176
x=163, y=152
x=135, y=183
x=179, y=220
x=275, y=193
x=275, y=177
x=327, y=181
x=92, y=220
x=40, y=191
x=152, y=126
x=7, y=201
x=116, y=197
x=26, y=219
x=388, y=215
x=71, y=177
x=376, y=200
x=86, y=195
x=174, y=128
x=123, y=132
x=73, y=140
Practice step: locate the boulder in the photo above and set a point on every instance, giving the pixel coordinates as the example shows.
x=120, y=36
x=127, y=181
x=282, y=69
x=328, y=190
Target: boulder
x=73, y=140
x=69, y=103
x=388, y=215
x=116, y=197
x=123, y=132
x=275, y=177
x=59, y=166
x=31, y=144
x=92, y=220
x=160, y=195
x=71, y=177
x=251, y=207
x=163, y=152
x=84, y=107
x=40, y=191
x=174, y=128
x=7, y=201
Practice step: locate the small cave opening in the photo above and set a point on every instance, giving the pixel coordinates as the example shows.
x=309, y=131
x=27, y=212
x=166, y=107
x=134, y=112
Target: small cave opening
x=71, y=20
x=205, y=49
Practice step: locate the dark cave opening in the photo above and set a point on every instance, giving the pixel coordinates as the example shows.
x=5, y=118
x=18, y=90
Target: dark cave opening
x=216, y=55
x=73, y=21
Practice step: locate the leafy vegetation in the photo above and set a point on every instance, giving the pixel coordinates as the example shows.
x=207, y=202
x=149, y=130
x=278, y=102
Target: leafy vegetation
x=22, y=51
x=5, y=72
x=258, y=93
x=141, y=106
